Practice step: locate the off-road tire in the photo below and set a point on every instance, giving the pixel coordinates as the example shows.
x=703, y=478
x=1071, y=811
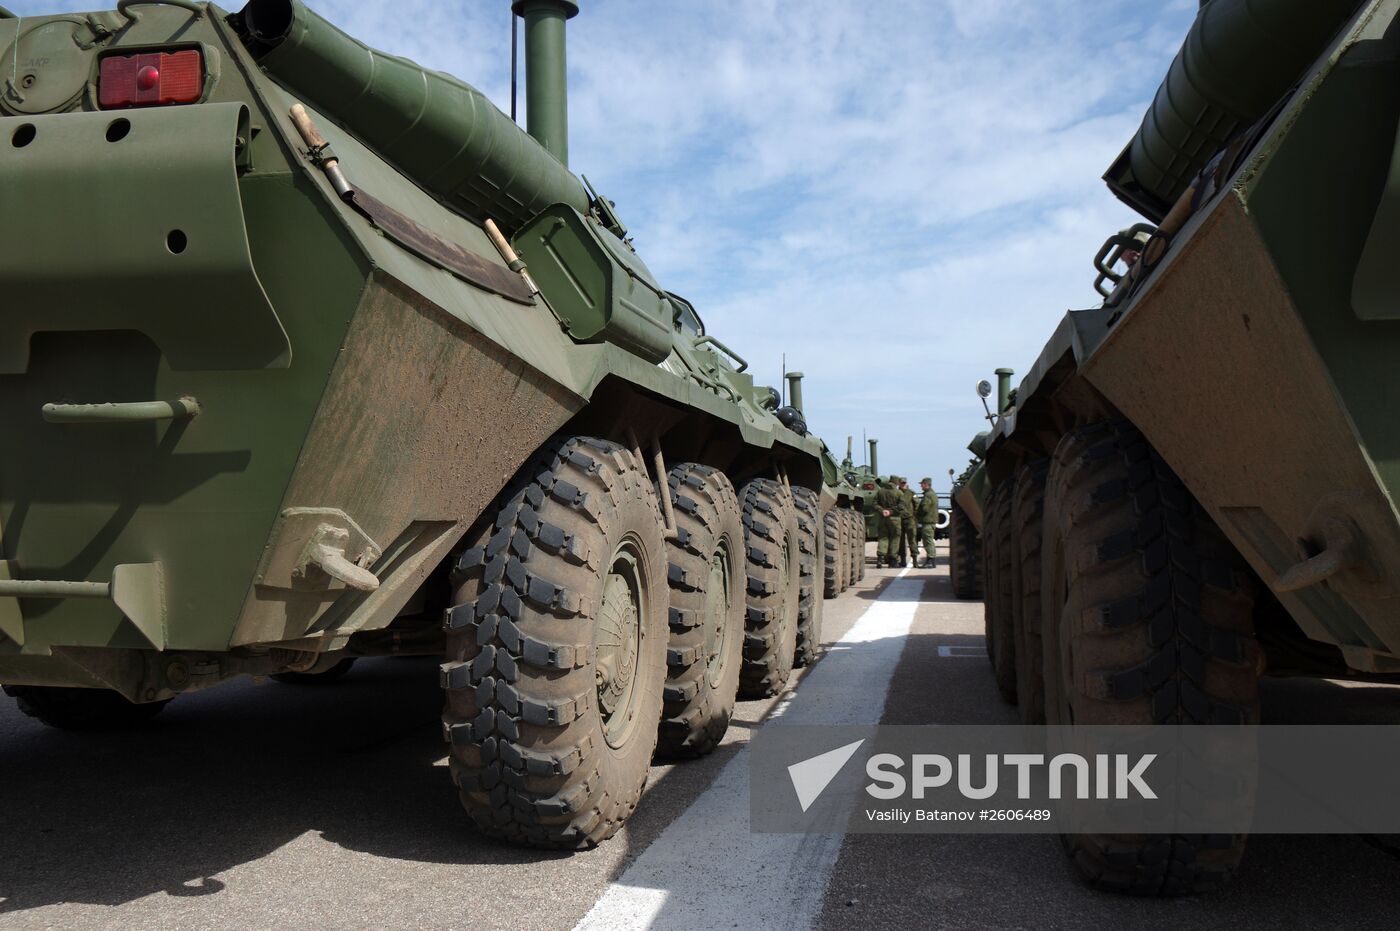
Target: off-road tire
x=843, y=549
x=1147, y=619
x=860, y=543
x=964, y=555
x=1027, y=515
x=857, y=544
x=773, y=587
x=998, y=622
x=811, y=554
x=316, y=678
x=72, y=709
x=560, y=611
x=706, y=579
x=831, y=556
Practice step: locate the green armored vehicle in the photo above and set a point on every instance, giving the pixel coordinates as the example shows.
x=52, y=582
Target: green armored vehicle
x=869, y=480
x=312, y=354
x=1198, y=477
x=844, y=526
x=964, y=517
x=842, y=500
x=965, y=565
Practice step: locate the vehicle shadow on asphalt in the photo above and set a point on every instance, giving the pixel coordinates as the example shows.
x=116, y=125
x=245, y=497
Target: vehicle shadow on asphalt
x=227, y=777
x=937, y=588
x=970, y=880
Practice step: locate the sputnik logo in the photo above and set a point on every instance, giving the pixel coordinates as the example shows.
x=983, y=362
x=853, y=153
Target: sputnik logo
x=811, y=777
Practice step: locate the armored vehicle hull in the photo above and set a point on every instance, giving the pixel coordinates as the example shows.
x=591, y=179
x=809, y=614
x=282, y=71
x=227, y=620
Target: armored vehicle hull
x=1198, y=478
x=279, y=390
x=964, y=542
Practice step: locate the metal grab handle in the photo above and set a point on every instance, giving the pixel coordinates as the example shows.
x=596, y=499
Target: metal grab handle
x=711, y=341
x=27, y=588
x=126, y=412
x=1112, y=251
x=124, y=6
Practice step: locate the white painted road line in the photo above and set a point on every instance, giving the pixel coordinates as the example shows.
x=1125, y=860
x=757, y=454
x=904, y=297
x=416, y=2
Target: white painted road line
x=707, y=870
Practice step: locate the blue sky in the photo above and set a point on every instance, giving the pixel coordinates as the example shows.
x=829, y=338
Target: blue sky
x=901, y=196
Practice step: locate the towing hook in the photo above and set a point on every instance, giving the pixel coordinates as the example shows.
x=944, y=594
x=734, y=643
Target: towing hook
x=327, y=552
x=1341, y=550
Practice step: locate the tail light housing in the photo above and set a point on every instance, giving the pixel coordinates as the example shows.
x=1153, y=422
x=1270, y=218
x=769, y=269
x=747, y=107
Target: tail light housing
x=150, y=79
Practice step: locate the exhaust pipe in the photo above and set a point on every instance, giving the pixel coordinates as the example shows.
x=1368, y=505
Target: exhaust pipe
x=795, y=391
x=874, y=461
x=1004, y=389
x=546, y=72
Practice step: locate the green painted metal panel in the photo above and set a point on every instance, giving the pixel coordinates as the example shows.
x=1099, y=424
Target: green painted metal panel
x=132, y=220
x=440, y=131
x=199, y=496
x=1239, y=57
x=164, y=397
x=1317, y=232
x=599, y=288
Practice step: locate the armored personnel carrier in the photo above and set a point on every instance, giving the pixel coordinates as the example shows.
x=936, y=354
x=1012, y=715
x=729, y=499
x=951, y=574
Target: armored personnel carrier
x=969, y=497
x=844, y=527
x=313, y=354
x=1197, y=478
x=964, y=542
x=867, y=477
x=843, y=548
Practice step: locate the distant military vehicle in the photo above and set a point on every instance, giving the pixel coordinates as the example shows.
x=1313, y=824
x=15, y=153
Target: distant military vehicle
x=1197, y=478
x=845, y=529
x=843, y=549
x=966, y=569
x=869, y=478
x=312, y=354
x=964, y=543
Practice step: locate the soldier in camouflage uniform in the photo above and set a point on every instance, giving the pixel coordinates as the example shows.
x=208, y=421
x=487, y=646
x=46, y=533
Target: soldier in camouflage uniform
x=926, y=516
x=906, y=524
x=888, y=502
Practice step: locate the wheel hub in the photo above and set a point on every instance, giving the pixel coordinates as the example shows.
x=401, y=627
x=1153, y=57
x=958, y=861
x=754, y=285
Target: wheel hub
x=617, y=645
x=716, y=613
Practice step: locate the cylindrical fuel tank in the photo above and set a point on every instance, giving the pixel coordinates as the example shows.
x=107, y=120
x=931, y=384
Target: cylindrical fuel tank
x=440, y=131
x=1238, y=59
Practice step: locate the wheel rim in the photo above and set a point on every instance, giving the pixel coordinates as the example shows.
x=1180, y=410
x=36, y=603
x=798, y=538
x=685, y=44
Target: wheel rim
x=618, y=643
x=717, y=613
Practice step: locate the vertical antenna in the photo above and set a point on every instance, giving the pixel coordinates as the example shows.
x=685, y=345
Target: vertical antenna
x=514, y=60
x=782, y=385
x=864, y=447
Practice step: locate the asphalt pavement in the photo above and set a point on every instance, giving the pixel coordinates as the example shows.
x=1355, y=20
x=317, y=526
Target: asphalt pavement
x=271, y=806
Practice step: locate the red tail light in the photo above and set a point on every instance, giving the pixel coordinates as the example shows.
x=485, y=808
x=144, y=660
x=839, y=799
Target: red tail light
x=150, y=79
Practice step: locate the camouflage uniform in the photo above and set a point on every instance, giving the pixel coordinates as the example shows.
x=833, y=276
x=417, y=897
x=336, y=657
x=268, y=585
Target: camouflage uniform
x=906, y=524
x=926, y=516
x=888, y=499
